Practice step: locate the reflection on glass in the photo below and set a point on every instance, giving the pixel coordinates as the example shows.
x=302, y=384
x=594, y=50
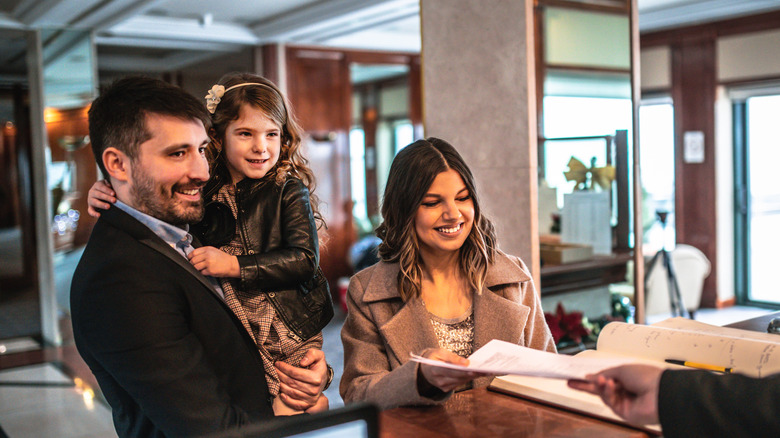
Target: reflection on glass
x=68, y=74
x=579, y=117
x=380, y=120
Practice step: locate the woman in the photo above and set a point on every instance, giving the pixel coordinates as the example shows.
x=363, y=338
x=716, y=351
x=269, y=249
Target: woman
x=442, y=288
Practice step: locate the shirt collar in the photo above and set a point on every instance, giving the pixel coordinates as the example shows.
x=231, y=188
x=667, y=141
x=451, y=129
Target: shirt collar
x=171, y=234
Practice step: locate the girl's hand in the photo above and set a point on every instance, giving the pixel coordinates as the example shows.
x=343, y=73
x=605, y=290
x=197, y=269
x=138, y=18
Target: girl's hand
x=444, y=378
x=211, y=261
x=100, y=196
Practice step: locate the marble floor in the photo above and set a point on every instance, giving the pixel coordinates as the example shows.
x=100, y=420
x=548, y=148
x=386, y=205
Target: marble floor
x=42, y=401
x=48, y=392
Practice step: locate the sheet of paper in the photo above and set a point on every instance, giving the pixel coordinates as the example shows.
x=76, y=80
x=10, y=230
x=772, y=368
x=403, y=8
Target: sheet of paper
x=499, y=358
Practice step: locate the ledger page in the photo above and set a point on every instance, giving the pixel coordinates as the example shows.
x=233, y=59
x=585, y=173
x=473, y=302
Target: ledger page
x=745, y=355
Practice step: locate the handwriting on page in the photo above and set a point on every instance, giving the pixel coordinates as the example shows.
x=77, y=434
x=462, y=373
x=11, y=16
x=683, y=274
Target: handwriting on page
x=694, y=343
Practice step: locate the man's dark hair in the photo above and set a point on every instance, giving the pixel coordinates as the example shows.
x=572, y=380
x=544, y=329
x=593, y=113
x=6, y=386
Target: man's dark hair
x=117, y=118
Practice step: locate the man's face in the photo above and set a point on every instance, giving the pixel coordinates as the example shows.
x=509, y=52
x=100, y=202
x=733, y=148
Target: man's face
x=170, y=170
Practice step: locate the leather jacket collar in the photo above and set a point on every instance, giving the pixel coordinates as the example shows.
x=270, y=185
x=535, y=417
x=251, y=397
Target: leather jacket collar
x=221, y=176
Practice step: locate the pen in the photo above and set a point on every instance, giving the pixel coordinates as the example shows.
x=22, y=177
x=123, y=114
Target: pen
x=701, y=366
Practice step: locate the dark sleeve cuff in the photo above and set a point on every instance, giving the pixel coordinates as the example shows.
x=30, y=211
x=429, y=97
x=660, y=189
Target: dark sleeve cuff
x=427, y=390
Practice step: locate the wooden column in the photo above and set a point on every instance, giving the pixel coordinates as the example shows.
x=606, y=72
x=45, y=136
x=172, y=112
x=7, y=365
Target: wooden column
x=693, y=91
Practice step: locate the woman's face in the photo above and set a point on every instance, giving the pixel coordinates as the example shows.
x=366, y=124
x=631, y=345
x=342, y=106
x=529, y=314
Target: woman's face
x=252, y=144
x=444, y=219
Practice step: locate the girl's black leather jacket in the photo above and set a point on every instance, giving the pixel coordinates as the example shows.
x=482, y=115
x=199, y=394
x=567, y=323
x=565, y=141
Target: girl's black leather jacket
x=281, y=249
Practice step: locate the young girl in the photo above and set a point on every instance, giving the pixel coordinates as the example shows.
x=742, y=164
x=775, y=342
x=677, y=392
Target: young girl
x=260, y=223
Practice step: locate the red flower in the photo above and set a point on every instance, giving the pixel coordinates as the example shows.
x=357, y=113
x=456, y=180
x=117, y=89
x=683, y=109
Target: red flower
x=566, y=325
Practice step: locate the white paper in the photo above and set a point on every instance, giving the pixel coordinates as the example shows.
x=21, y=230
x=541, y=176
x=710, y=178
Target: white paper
x=585, y=220
x=693, y=147
x=500, y=357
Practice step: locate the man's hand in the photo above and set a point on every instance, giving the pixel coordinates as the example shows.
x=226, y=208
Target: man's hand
x=444, y=378
x=211, y=261
x=630, y=390
x=323, y=404
x=301, y=387
x=100, y=196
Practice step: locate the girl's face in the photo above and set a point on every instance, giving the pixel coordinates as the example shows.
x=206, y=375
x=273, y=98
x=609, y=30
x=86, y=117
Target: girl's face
x=252, y=144
x=446, y=215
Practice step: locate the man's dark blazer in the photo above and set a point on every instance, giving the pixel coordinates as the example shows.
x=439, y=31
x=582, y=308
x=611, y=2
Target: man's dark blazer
x=705, y=404
x=169, y=355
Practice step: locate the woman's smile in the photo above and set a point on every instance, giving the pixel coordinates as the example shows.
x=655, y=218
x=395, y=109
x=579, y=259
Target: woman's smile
x=450, y=230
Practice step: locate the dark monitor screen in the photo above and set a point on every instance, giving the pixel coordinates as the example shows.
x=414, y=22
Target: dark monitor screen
x=353, y=421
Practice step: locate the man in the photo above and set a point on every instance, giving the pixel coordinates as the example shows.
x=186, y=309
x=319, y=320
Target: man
x=689, y=403
x=169, y=355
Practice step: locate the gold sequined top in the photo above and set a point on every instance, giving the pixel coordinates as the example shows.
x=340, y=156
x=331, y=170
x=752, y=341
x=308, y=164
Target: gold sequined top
x=455, y=334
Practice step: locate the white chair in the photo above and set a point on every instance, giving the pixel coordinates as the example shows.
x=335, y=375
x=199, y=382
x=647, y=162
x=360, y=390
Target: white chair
x=691, y=267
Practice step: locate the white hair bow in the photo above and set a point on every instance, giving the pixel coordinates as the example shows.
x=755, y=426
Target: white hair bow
x=214, y=97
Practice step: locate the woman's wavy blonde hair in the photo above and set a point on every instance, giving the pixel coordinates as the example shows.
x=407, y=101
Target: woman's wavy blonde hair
x=411, y=175
x=266, y=97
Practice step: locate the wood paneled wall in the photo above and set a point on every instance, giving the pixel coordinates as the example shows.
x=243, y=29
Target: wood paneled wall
x=320, y=91
x=318, y=88
x=693, y=90
x=694, y=84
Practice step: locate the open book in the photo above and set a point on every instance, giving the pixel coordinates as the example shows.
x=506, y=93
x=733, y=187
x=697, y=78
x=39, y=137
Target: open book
x=752, y=353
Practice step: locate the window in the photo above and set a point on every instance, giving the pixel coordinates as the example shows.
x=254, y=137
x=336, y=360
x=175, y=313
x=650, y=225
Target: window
x=579, y=117
x=656, y=162
x=758, y=197
x=403, y=134
x=357, y=165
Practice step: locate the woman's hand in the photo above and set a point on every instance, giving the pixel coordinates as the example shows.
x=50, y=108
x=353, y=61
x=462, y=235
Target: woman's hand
x=211, y=261
x=100, y=196
x=301, y=387
x=444, y=378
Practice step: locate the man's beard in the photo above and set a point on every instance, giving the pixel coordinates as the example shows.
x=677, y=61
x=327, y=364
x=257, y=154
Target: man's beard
x=160, y=202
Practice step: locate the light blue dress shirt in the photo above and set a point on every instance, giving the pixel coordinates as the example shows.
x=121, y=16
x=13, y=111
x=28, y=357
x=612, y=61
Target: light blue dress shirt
x=178, y=238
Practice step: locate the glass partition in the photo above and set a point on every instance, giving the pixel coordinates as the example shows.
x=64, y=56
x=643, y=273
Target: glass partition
x=19, y=298
x=586, y=110
x=69, y=85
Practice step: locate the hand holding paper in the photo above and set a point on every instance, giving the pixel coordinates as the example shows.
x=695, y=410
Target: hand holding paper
x=453, y=374
x=499, y=358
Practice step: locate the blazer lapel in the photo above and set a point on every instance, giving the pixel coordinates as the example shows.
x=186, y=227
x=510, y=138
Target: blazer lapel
x=146, y=236
x=160, y=246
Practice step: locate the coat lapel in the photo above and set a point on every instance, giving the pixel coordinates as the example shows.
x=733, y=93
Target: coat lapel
x=409, y=331
x=405, y=327
x=498, y=318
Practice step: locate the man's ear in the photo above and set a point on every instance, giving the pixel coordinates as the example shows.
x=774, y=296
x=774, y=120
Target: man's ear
x=117, y=164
